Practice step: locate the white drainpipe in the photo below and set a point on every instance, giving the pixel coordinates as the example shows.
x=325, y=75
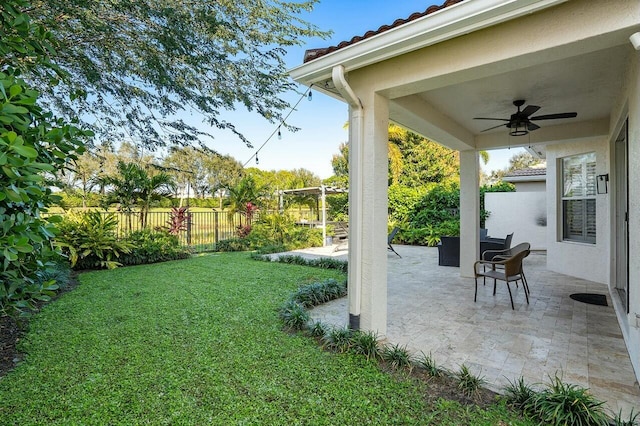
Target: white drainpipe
x=355, y=196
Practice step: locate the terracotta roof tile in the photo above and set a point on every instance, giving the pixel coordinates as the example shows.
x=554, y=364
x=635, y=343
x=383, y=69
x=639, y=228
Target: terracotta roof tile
x=312, y=54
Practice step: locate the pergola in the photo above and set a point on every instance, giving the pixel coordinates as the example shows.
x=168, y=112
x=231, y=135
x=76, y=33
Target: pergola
x=320, y=192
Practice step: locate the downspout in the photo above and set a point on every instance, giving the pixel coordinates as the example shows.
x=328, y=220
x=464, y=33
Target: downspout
x=355, y=195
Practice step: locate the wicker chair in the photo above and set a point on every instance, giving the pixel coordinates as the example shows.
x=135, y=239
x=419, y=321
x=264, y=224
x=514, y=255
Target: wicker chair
x=505, y=254
x=507, y=270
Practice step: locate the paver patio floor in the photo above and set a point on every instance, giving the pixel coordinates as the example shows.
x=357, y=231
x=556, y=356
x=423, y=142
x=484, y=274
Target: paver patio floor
x=431, y=309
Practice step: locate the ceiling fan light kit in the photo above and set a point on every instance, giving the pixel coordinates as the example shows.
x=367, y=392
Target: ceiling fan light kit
x=520, y=122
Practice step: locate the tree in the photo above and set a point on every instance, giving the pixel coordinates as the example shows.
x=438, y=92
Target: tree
x=32, y=143
x=244, y=198
x=134, y=65
x=134, y=186
x=518, y=161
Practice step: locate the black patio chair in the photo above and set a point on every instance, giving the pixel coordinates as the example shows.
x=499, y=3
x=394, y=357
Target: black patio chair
x=390, y=238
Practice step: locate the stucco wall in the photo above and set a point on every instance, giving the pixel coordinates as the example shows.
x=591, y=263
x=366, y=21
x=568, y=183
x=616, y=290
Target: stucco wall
x=582, y=260
x=523, y=213
x=628, y=105
x=530, y=186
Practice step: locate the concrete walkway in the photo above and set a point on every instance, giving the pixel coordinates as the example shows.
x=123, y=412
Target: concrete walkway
x=431, y=310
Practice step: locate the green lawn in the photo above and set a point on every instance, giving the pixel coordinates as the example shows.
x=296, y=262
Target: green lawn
x=198, y=342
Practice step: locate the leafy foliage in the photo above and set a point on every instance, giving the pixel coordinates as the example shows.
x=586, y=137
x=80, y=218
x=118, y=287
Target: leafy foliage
x=519, y=394
x=323, y=262
x=428, y=363
x=149, y=246
x=566, y=404
x=178, y=220
x=469, y=383
x=365, y=343
x=397, y=356
x=294, y=316
x=136, y=64
x=233, y=244
x=338, y=339
x=32, y=143
x=280, y=229
x=90, y=240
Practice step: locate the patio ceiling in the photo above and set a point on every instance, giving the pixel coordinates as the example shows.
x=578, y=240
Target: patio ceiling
x=474, y=58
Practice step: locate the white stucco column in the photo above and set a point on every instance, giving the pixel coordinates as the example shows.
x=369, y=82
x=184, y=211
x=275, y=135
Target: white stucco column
x=469, y=211
x=368, y=172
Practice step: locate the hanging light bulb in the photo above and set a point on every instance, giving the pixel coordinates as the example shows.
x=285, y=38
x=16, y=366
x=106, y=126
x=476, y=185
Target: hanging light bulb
x=279, y=133
x=257, y=162
x=310, y=95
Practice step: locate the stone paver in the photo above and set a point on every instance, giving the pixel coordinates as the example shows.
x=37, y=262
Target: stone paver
x=431, y=310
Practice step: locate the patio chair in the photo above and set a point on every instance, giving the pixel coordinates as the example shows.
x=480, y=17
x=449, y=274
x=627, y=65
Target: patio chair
x=390, y=238
x=507, y=270
x=495, y=244
x=505, y=254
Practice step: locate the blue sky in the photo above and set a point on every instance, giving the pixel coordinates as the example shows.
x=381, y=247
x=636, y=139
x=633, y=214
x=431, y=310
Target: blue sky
x=321, y=121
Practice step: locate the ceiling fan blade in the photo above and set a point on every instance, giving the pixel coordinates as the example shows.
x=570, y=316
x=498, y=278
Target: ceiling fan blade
x=494, y=127
x=555, y=116
x=530, y=109
x=532, y=126
x=487, y=118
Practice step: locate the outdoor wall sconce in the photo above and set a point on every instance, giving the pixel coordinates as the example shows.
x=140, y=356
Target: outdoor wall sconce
x=602, y=183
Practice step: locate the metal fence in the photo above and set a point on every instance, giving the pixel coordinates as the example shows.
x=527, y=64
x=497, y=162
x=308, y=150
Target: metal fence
x=203, y=229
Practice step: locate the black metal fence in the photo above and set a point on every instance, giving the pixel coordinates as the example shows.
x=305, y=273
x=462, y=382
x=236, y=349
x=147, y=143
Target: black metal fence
x=203, y=229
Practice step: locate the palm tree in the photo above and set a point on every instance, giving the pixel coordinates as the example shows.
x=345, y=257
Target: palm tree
x=153, y=188
x=244, y=197
x=133, y=186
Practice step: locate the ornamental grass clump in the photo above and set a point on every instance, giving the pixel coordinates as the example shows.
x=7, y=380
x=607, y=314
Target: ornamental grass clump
x=294, y=316
x=518, y=394
x=468, y=382
x=365, y=343
x=428, y=363
x=566, y=404
x=396, y=356
x=338, y=339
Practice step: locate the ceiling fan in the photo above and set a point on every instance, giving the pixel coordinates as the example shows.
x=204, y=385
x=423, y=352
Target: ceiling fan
x=520, y=122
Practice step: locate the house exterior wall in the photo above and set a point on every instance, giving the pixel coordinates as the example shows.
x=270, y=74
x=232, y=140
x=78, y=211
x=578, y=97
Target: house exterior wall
x=530, y=186
x=523, y=213
x=582, y=260
x=628, y=105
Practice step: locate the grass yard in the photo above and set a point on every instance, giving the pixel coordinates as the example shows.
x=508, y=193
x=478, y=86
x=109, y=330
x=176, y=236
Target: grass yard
x=198, y=342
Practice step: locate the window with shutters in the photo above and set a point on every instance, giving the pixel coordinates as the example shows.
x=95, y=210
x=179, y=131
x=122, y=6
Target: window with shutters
x=579, y=198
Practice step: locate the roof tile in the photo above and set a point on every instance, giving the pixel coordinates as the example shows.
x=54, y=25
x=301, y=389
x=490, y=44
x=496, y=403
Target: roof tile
x=313, y=54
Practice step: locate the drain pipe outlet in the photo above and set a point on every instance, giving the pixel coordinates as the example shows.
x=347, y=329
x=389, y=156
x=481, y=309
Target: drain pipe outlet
x=355, y=194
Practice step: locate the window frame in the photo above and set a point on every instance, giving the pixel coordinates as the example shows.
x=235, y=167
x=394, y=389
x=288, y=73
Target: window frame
x=579, y=191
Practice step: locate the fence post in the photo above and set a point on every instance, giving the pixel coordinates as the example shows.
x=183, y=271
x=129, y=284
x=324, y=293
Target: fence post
x=215, y=227
x=189, y=215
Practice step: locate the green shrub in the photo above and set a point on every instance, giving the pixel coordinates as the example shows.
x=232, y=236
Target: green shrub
x=468, y=383
x=281, y=230
x=519, y=394
x=338, y=339
x=317, y=329
x=398, y=357
x=294, y=315
x=632, y=420
x=153, y=246
x=566, y=404
x=322, y=262
x=365, y=343
x=233, y=244
x=89, y=240
x=318, y=293
x=402, y=201
x=428, y=363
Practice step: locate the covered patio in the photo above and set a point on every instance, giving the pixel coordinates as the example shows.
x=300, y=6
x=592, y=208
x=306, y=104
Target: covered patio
x=431, y=309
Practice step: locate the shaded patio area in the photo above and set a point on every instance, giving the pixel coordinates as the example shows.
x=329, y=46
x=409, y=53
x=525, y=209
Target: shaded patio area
x=431, y=309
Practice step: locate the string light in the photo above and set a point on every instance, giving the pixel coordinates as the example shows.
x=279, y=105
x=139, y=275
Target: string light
x=310, y=96
x=257, y=161
x=277, y=131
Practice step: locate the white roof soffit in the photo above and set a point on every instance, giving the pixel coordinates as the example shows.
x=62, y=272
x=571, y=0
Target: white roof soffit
x=445, y=24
